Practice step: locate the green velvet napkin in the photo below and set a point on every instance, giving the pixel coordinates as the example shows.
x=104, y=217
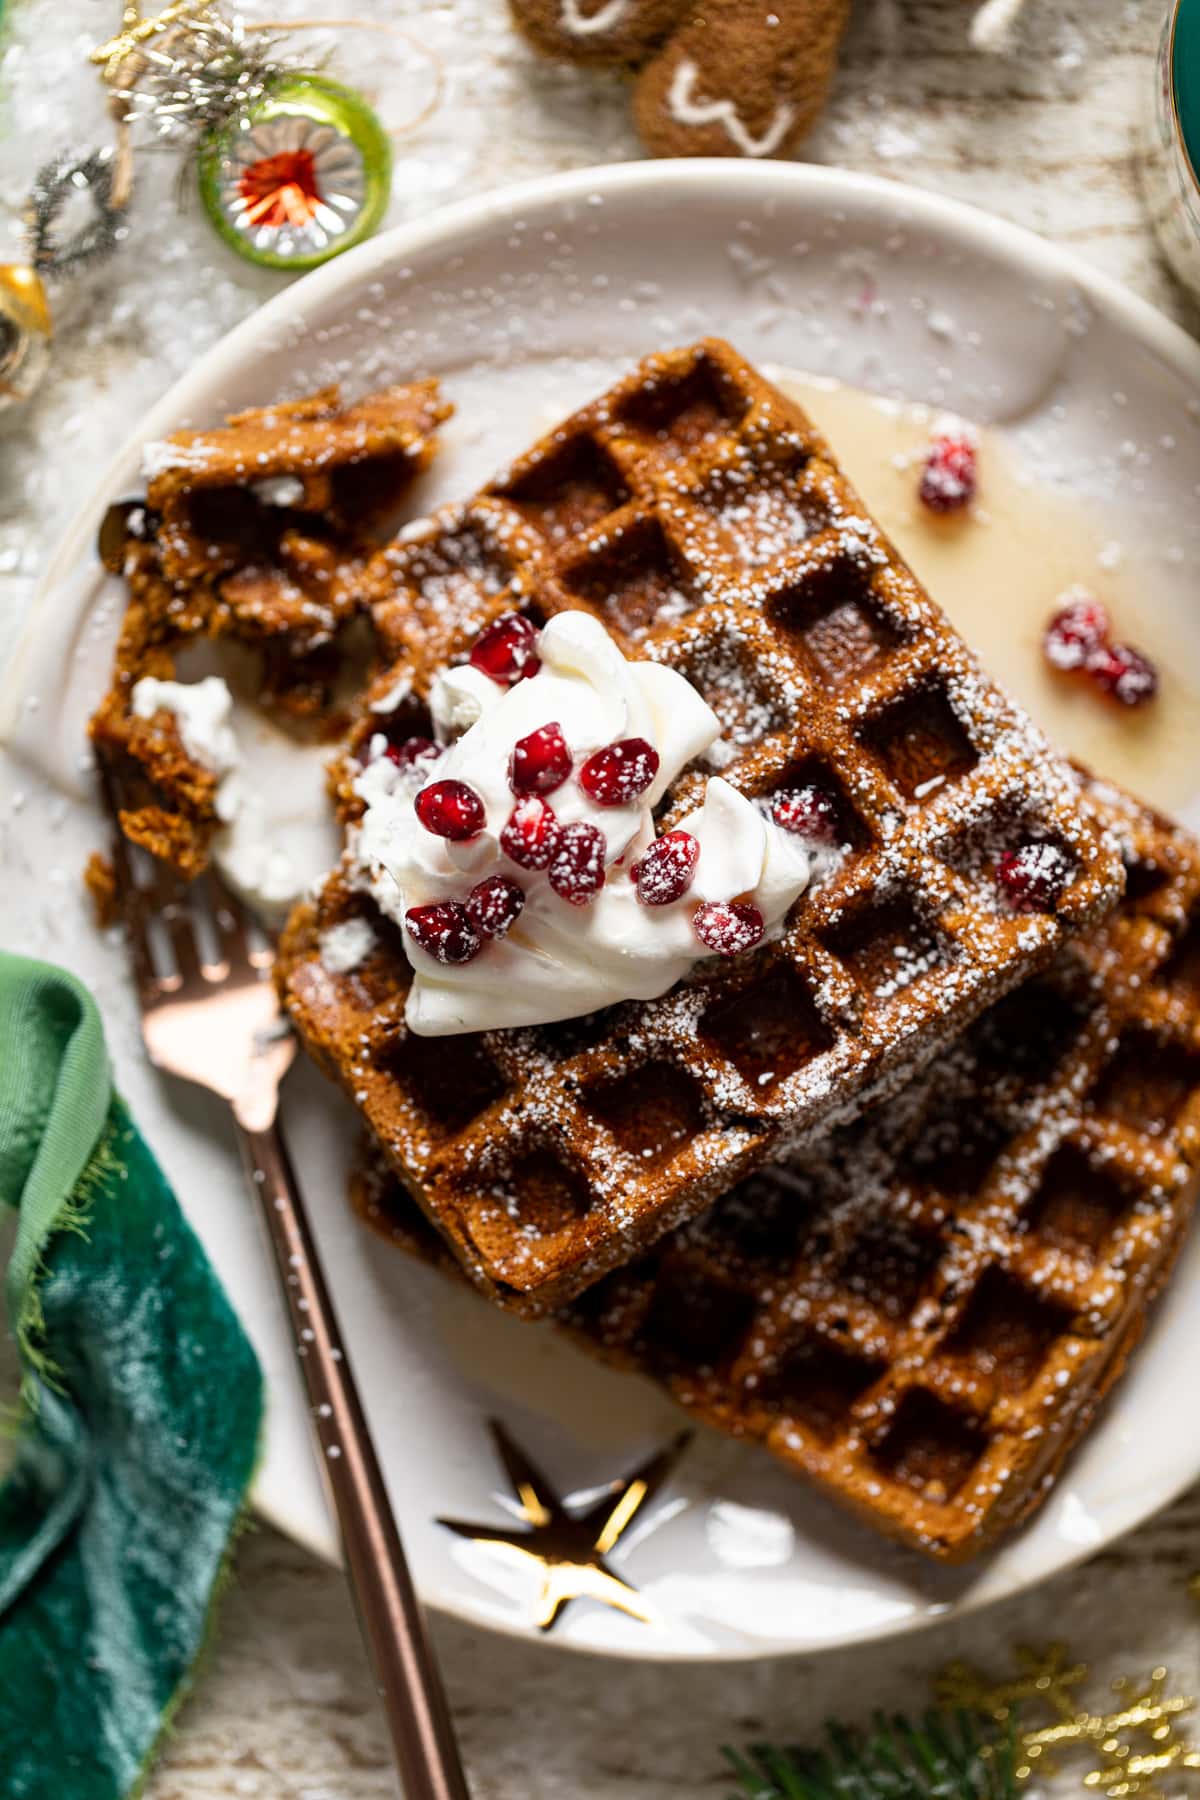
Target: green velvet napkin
x=140, y=1416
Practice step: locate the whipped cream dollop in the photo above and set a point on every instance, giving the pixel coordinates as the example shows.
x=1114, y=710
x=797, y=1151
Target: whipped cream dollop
x=560, y=960
x=458, y=698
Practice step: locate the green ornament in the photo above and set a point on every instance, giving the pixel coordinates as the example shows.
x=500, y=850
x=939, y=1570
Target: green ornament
x=300, y=176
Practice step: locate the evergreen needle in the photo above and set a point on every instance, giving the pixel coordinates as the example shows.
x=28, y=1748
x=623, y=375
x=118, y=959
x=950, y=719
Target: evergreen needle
x=941, y=1756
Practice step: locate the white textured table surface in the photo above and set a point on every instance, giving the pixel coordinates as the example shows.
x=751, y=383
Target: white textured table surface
x=1045, y=136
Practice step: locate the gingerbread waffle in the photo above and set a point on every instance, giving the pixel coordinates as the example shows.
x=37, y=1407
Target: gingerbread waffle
x=257, y=532
x=697, y=513
x=920, y=1315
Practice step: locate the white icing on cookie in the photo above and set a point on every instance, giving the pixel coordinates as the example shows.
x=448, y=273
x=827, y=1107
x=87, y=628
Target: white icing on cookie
x=992, y=25
x=686, y=110
x=581, y=24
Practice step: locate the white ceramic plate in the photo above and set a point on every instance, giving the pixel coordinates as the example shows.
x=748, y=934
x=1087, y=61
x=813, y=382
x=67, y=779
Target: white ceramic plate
x=527, y=303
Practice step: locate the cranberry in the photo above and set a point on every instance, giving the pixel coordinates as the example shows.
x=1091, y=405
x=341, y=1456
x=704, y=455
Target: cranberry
x=1076, y=631
x=808, y=811
x=494, y=904
x=948, y=478
x=577, y=868
x=444, y=931
x=1034, y=876
x=1123, y=672
x=411, y=751
x=728, y=927
x=1079, y=636
x=540, y=762
x=451, y=809
x=505, y=650
x=619, y=772
x=667, y=870
x=531, y=835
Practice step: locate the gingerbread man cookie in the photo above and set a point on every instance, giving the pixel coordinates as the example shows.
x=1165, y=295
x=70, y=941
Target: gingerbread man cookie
x=715, y=77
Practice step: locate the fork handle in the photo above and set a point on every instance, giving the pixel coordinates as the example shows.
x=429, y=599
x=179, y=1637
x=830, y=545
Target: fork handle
x=389, y=1612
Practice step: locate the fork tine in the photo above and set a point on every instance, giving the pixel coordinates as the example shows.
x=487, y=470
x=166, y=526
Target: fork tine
x=186, y=919
x=155, y=910
x=242, y=937
x=229, y=921
x=216, y=929
x=176, y=920
x=133, y=910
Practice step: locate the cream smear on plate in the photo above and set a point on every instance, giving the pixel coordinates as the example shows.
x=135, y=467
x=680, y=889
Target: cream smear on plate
x=274, y=835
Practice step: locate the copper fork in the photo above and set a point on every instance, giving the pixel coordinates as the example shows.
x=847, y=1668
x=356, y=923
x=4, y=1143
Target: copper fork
x=210, y=1014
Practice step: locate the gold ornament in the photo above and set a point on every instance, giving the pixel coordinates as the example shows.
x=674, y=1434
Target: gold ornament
x=1132, y=1745
x=570, y=1549
x=25, y=332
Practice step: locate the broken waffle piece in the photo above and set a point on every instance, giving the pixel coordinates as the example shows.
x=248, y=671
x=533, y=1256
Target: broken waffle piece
x=920, y=1314
x=257, y=533
x=232, y=496
x=697, y=515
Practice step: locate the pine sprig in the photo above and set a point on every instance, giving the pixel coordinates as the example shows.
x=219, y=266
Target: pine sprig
x=942, y=1756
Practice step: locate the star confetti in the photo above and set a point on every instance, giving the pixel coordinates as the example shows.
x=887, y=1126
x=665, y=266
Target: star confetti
x=570, y=1549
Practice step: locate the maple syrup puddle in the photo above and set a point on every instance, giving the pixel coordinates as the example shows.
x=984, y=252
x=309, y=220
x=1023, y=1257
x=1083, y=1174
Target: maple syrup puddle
x=998, y=571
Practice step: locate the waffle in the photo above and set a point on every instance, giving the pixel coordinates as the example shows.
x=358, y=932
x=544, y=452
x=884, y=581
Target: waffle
x=257, y=532
x=696, y=512
x=920, y=1315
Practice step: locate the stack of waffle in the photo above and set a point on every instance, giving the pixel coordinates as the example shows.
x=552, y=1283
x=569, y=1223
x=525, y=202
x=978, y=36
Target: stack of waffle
x=892, y=1193
x=919, y=1312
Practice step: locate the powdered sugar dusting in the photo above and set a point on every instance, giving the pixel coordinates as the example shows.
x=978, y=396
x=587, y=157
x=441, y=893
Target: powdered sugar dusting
x=826, y=663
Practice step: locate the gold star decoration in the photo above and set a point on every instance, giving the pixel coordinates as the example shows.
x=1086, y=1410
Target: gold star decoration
x=570, y=1549
x=1133, y=1744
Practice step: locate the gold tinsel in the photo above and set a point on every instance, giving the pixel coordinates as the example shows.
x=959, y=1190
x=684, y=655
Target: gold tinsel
x=1130, y=1746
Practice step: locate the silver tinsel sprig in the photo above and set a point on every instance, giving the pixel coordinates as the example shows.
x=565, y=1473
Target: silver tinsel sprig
x=202, y=75
x=67, y=179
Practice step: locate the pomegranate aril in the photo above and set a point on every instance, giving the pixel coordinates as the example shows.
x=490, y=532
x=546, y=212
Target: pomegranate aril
x=531, y=833
x=451, y=809
x=1076, y=631
x=576, y=870
x=949, y=476
x=1123, y=672
x=444, y=931
x=411, y=751
x=505, y=650
x=727, y=927
x=540, y=762
x=668, y=868
x=809, y=812
x=1034, y=876
x=619, y=772
x=494, y=904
